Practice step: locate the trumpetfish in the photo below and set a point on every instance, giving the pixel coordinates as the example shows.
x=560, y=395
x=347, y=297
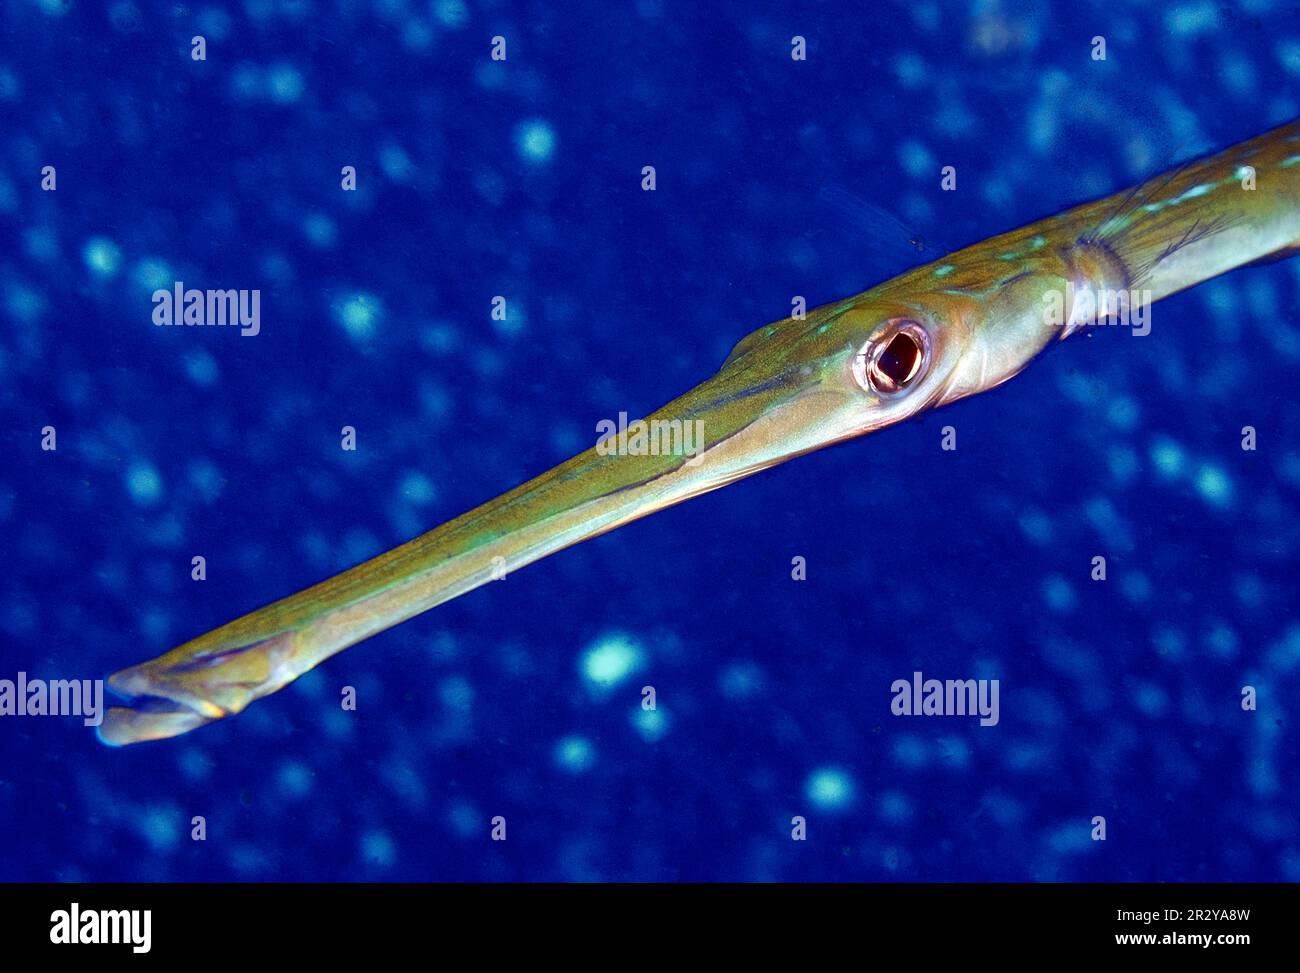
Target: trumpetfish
x=942, y=331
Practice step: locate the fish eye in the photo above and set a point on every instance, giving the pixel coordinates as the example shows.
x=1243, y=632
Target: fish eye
x=891, y=362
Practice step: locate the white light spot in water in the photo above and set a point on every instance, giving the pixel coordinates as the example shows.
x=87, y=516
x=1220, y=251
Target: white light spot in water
x=395, y=163
x=953, y=752
x=102, y=256
x=910, y=69
x=574, y=754
x=1237, y=74
x=359, y=315
x=214, y=24
x=1151, y=700
x=144, y=484
x=917, y=160
x=1169, y=643
x=295, y=780
x=440, y=338
x=154, y=625
x=418, y=489
x=201, y=368
x=247, y=859
x=1123, y=413
x=320, y=230
x=1213, y=484
x=1058, y=594
x=1101, y=513
x=515, y=321
x=741, y=680
x=1168, y=457
x=208, y=482
x=159, y=826
x=1285, y=655
x=10, y=87
x=491, y=74
x=1288, y=55
x=1190, y=19
x=1069, y=839
x=892, y=857
x=610, y=661
x=452, y=13
x=417, y=35
x=1037, y=526
x=464, y=819
x=457, y=694
x=1249, y=589
x=536, y=140
x=195, y=764
x=23, y=302
x=377, y=849
x=284, y=84
x=1221, y=641
x=652, y=724
x=153, y=275
x=829, y=788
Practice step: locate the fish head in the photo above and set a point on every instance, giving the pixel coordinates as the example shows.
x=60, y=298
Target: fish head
x=919, y=341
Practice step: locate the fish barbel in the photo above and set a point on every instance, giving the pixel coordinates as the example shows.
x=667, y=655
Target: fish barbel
x=942, y=331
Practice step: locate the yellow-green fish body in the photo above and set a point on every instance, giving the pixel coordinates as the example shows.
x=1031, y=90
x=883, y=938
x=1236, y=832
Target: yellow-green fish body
x=927, y=337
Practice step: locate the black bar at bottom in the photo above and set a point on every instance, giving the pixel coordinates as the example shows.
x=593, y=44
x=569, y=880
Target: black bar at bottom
x=303, y=922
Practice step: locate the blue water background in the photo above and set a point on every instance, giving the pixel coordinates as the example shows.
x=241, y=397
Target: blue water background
x=522, y=699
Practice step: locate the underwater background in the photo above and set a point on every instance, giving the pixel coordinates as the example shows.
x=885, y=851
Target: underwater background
x=522, y=178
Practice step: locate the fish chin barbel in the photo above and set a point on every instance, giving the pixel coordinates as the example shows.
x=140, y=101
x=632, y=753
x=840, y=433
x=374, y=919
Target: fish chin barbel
x=942, y=331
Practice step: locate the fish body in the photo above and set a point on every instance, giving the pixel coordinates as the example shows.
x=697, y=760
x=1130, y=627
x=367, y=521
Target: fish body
x=937, y=333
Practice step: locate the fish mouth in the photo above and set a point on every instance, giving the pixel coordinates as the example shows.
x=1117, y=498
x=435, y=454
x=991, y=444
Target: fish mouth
x=155, y=711
x=194, y=685
x=148, y=718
